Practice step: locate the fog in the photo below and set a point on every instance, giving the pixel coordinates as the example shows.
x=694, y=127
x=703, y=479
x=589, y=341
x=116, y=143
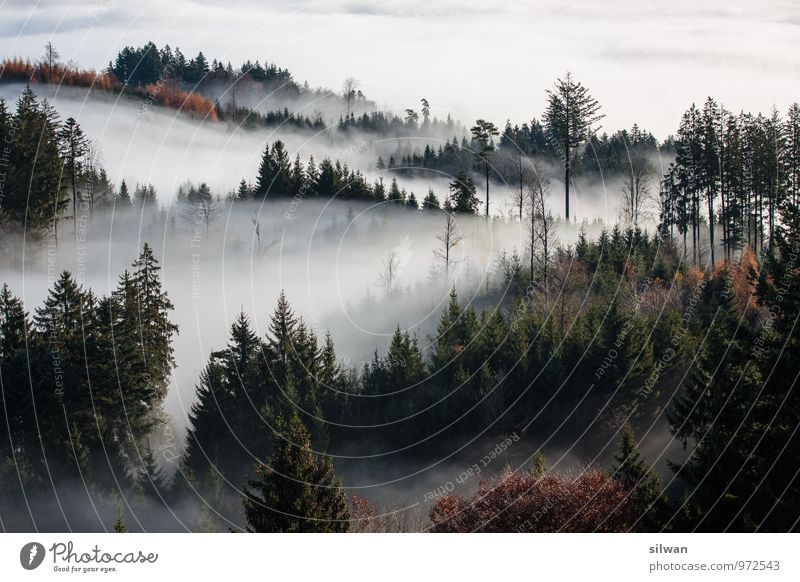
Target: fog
x=328, y=256
x=164, y=147
x=151, y=144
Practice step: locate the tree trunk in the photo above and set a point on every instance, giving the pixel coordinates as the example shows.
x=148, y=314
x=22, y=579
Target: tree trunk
x=74, y=198
x=566, y=179
x=711, y=223
x=486, y=165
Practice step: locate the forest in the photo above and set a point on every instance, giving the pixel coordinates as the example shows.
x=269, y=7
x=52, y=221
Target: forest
x=659, y=350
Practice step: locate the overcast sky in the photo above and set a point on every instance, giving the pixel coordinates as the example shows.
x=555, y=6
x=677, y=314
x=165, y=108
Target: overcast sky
x=646, y=61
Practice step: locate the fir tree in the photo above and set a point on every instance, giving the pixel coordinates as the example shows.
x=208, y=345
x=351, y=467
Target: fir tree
x=150, y=478
x=124, y=197
x=462, y=195
x=482, y=134
x=640, y=481
x=571, y=114
x=74, y=146
x=430, y=201
x=296, y=491
x=34, y=188
x=718, y=414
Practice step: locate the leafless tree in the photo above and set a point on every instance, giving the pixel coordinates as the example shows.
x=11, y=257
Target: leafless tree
x=522, y=173
x=390, y=265
x=257, y=231
x=637, y=199
x=50, y=58
x=207, y=209
x=350, y=91
x=261, y=248
x=541, y=227
x=202, y=208
x=449, y=239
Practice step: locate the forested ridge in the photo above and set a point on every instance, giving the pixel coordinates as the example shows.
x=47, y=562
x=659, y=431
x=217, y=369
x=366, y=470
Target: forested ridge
x=683, y=313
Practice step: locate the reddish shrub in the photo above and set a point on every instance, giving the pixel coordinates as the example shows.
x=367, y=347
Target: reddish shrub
x=514, y=502
x=162, y=93
x=172, y=96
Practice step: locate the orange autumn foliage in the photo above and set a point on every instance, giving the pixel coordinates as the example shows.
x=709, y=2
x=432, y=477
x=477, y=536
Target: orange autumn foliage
x=164, y=94
x=742, y=286
x=18, y=70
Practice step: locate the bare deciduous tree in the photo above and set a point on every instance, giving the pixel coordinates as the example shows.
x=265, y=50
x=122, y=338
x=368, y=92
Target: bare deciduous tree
x=541, y=228
x=449, y=239
x=202, y=207
x=261, y=248
x=349, y=91
x=637, y=199
x=50, y=58
x=522, y=173
x=257, y=231
x=390, y=265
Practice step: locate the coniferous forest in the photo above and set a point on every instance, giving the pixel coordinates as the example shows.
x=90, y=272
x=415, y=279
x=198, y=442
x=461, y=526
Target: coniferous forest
x=369, y=319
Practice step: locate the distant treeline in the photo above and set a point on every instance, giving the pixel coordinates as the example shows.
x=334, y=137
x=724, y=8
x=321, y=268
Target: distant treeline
x=52, y=172
x=167, y=78
x=163, y=94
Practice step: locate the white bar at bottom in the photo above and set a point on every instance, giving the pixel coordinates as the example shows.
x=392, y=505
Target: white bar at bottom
x=403, y=557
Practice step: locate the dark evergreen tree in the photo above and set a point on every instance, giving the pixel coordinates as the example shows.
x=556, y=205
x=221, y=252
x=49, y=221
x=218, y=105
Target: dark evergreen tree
x=482, y=136
x=150, y=478
x=74, y=145
x=716, y=415
x=462, y=195
x=124, y=197
x=641, y=482
x=570, y=116
x=34, y=190
x=296, y=491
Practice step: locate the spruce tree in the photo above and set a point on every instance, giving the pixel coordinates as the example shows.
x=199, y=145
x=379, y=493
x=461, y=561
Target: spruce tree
x=119, y=523
x=718, y=414
x=570, y=116
x=482, y=136
x=228, y=419
x=266, y=174
x=281, y=342
x=244, y=192
x=296, y=491
x=15, y=331
x=773, y=502
x=14, y=325
x=430, y=200
x=152, y=316
x=640, y=481
x=462, y=195
x=35, y=191
x=150, y=478
x=124, y=196
x=74, y=147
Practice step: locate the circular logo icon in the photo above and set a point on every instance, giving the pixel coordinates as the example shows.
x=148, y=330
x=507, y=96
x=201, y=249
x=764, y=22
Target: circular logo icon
x=31, y=555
